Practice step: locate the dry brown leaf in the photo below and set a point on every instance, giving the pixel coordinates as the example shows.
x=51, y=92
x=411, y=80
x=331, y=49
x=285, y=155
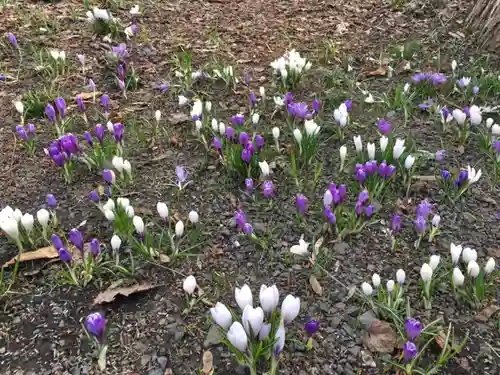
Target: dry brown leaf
x=380, y=337
x=486, y=313
x=441, y=339
x=144, y=211
x=164, y=258
x=208, y=363
x=175, y=141
x=315, y=285
x=381, y=71
x=110, y=294
x=178, y=118
x=48, y=252
x=89, y=95
x=461, y=149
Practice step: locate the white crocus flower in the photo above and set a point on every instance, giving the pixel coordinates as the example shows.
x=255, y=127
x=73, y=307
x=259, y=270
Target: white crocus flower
x=198, y=125
x=215, y=125
x=400, y=276
x=456, y=251
x=179, y=228
x=469, y=255
x=129, y=211
x=262, y=92
x=269, y=298
x=123, y=202
x=222, y=128
x=311, y=127
x=193, y=217
x=458, y=277
x=426, y=273
x=367, y=289
x=398, y=148
x=473, y=176
x=117, y=162
x=390, y=286
x=238, y=337
x=243, y=296
x=19, y=107
x=298, y=136
x=183, y=100
x=264, y=168
x=11, y=228
x=384, y=141
x=162, y=209
x=343, y=155
x=101, y=14
x=158, y=116
x=406, y=87
x=434, y=261
x=370, y=149
x=489, y=122
x=208, y=104
x=358, y=144
x=109, y=205
x=116, y=242
x=135, y=10
x=138, y=224
x=376, y=280
x=369, y=99
x=252, y=319
x=109, y=215
x=28, y=221
x=276, y=133
x=278, y=101
x=459, y=116
x=189, y=284
x=43, y=218
x=301, y=248
x=473, y=269
x=290, y=308
x=18, y=215
x=466, y=81
x=475, y=115
x=255, y=118
x=453, y=66
x=490, y=266
x=409, y=161
x=197, y=109
x=221, y=315
x=495, y=129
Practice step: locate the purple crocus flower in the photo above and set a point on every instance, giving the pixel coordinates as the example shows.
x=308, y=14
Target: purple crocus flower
x=395, y=223
x=94, y=196
x=246, y=77
x=475, y=90
x=2, y=77
x=218, y=144
x=438, y=78
x=424, y=208
x=467, y=110
x=445, y=174
x=56, y=241
x=445, y=113
x=348, y=104
x=370, y=167
x=330, y=215
x=369, y=210
x=243, y=138
x=253, y=99
x=69, y=144
x=120, y=51
x=88, y=138
x=13, y=40
x=440, y=155
x=59, y=158
x=96, y=325
x=91, y=85
x=419, y=77
x=496, y=146
x=107, y=191
x=238, y=119
x=268, y=188
x=249, y=146
x=298, y=110
x=31, y=129
x=301, y=202
x=240, y=218
x=134, y=28
x=420, y=224
x=61, y=107
x=288, y=99
x=118, y=131
x=247, y=229
x=249, y=185
x=342, y=190
x=51, y=201
x=425, y=105
x=121, y=72
x=410, y=351
x=230, y=133
x=358, y=208
x=50, y=113
x=363, y=196
x=79, y=101
x=316, y=106
x=181, y=173
x=163, y=88
x=311, y=327
x=95, y=247
x=462, y=178
x=22, y=132
x=108, y=176
x=246, y=155
x=99, y=132
x=384, y=126
x=360, y=176
x=121, y=85
x=65, y=255
x=383, y=169
x=76, y=238
x=413, y=328
x=391, y=169
x=105, y=103
x=259, y=141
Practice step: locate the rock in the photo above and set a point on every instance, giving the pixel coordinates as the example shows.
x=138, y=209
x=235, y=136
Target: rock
x=335, y=321
x=179, y=335
x=162, y=361
x=348, y=330
x=302, y=372
x=145, y=360
x=380, y=337
x=156, y=371
x=355, y=350
x=213, y=337
x=367, y=318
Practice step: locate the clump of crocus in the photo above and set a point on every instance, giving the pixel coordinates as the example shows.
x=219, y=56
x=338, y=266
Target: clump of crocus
x=341, y=116
x=311, y=327
x=435, y=78
x=95, y=327
x=64, y=152
x=27, y=134
x=395, y=228
x=260, y=337
x=422, y=213
x=454, y=186
x=290, y=68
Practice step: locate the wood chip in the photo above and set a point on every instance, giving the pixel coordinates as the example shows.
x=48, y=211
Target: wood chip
x=486, y=313
x=315, y=285
x=112, y=292
x=208, y=363
x=380, y=337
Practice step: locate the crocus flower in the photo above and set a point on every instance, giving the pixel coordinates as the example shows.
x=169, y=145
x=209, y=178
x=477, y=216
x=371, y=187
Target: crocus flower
x=458, y=277
x=316, y=106
x=50, y=113
x=65, y=255
x=367, y=289
x=31, y=129
x=56, y=241
x=424, y=208
x=92, y=86
x=95, y=247
x=462, y=178
x=413, y=328
x=243, y=138
x=290, y=308
x=253, y=99
x=330, y=215
x=360, y=176
x=348, y=105
x=109, y=176
x=410, y=351
x=311, y=327
x=384, y=126
x=438, y=78
x=238, y=337
x=246, y=155
x=76, y=238
x=395, y=223
x=61, y=107
x=79, y=101
x=99, y=133
x=475, y=90
x=247, y=229
x=269, y=298
x=268, y=189
x=288, y=99
x=21, y=131
x=249, y=185
x=105, y=103
x=490, y=266
x=218, y=144
x=118, y=132
x=189, y=284
x=13, y=40
x=259, y=141
x=230, y=133
x=51, y=201
x=420, y=224
x=181, y=173
x=240, y=218
x=370, y=167
x=121, y=72
x=96, y=325
x=301, y=202
x=238, y=119
x=221, y=315
x=298, y=110
x=464, y=82
x=369, y=210
x=445, y=174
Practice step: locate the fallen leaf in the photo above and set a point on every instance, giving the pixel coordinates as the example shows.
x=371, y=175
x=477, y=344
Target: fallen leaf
x=175, y=141
x=208, y=363
x=381, y=71
x=178, y=118
x=425, y=178
x=110, y=294
x=380, y=337
x=350, y=293
x=486, y=313
x=48, y=252
x=164, y=258
x=367, y=359
x=168, y=371
x=144, y=211
x=315, y=285
x=461, y=149
x=102, y=358
x=89, y=95
x=441, y=339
